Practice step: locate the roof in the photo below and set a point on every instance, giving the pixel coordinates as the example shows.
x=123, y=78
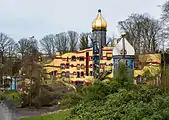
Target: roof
x=152, y=69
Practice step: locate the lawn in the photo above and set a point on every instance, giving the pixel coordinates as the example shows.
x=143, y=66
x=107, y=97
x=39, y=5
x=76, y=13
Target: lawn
x=56, y=116
x=12, y=93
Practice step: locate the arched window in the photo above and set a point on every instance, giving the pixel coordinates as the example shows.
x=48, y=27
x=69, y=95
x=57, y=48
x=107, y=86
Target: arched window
x=102, y=66
x=67, y=74
x=74, y=73
x=63, y=74
x=72, y=65
x=82, y=66
x=62, y=66
x=81, y=58
x=78, y=66
x=82, y=74
x=78, y=74
x=73, y=58
x=67, y=65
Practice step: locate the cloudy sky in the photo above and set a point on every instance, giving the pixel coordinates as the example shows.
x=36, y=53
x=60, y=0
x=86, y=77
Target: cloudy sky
x=25, y=18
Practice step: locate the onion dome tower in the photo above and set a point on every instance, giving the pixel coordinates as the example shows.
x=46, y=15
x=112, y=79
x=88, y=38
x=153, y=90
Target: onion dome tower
x=99, y=28
x=124, y=52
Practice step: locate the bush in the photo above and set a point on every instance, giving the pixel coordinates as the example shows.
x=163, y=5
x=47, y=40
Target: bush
x=134, y=104
x=2, y=96
x=70, y=100
x=124, y=75
x=98, y=91
x=47, y=98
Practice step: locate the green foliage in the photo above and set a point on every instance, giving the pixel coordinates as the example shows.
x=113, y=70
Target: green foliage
x=98, y=91
x=133, y=103
x=124, y=75
x=70, y=100
x=13, y=95
x=2, y=96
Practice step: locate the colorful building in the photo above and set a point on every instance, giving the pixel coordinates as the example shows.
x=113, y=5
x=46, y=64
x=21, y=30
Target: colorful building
x=81, y=67
x=77, y=67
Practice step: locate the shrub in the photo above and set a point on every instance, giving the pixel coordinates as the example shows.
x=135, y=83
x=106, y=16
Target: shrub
x=98, y=91
x=124, y=75
x=2, y=96
x=70, y=100
x=141, y=103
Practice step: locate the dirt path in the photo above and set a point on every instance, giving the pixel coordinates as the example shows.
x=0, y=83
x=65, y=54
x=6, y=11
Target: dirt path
x=26, y=112
x=9, y=111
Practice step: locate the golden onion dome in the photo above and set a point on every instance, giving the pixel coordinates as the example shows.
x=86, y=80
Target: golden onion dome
x=99, y=23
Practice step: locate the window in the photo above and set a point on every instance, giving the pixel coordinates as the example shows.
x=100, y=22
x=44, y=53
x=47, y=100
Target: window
x=79, y=83
x=82, y=66
x=81, y=58
x=82, y=74
x=73, y=58
x=74, y=73
x=72, y=65
x=67, y=65
x=91, y=66
x=78, y=66
x=91, y=73
x=62, y=66
x=78, y=74
x=126, y=63
x=67, y=74
x=53, y=73
x=109, y=56
x=102, y=66
x=63, y=74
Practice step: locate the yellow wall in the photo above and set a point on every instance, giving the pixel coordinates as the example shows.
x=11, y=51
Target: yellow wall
x=151, y=61
x=63, y=60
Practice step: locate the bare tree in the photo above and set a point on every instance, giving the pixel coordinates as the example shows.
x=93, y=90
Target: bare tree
x=27, y=47
x=7, y=54
x=110, y=41
x=165, y=25
x=48, y=44
x=84, y=41
x=33, y=47
x=165, y=11
x=73, y=40
x=5, y=45
x=62, y=42
x=23, y=46
x=142, y=32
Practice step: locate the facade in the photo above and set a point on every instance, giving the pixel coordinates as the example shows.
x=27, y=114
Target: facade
x=124, y=52
x=147, y=64
x=77, y=67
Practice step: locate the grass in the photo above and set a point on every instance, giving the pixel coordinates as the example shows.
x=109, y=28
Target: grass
x=55, y=116
x=12, y=93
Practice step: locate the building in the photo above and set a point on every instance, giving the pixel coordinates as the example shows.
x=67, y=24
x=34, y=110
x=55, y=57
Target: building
x=81, y=67
x=77, y=67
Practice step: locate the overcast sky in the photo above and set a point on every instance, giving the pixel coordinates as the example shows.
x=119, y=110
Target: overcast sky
x=25, y=18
